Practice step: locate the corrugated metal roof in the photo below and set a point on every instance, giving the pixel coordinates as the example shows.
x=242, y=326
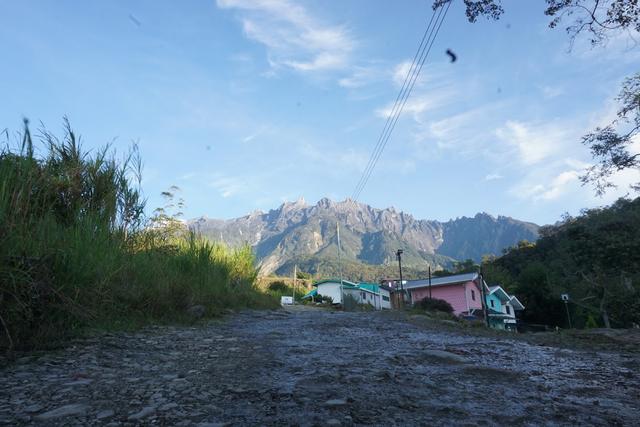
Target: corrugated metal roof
x=344, y=282
x=515, y=302
x=371, y=287
x=441, y=281
x=311, y=293
x=499, y=290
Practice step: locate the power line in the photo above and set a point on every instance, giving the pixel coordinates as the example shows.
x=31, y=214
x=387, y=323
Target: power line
x=416, y=58
x=426, y=50
x=403, y=96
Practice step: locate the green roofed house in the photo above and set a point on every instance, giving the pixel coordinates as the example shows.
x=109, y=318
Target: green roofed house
x=364, y=293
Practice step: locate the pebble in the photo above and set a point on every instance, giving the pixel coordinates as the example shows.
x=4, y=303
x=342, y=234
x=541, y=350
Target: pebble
x=63, y=411
x=145, y=412
x=108, y=413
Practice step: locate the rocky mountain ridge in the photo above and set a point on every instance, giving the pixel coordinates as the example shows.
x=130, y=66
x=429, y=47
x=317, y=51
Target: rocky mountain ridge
x=297, y=230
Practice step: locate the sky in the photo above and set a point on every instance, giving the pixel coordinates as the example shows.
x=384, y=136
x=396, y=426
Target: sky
x=246, y=104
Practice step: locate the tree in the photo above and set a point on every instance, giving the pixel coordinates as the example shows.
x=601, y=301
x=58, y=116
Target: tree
x=610, y=145
x=166, y=221
x=599, y=19
x=594, y=257
x=466, y=266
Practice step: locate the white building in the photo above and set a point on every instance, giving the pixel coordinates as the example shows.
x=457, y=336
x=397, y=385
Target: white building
x=363, y=293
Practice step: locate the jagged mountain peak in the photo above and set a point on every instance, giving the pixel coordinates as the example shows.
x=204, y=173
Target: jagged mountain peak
x=296, y=230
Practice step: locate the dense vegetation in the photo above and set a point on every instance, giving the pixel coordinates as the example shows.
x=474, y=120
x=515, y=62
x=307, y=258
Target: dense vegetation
x=434, y=304
x=595, y=258
x=76, y=251
x=322, y=268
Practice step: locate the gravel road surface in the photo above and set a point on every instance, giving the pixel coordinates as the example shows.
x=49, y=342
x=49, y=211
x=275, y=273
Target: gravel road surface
x=308, y=366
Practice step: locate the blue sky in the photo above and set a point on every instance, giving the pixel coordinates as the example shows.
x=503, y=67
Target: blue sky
x=245, y=104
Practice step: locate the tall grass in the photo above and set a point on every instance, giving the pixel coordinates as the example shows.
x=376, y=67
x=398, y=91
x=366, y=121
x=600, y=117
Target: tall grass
x=76, y=251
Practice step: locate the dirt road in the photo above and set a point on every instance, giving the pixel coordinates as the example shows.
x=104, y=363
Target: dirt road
x=315, y=367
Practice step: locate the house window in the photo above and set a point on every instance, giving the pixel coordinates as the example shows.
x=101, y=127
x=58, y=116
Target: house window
x=363, y=295
x=508, y=309
x=473, y=295
x=492, y=304
x=385, y=298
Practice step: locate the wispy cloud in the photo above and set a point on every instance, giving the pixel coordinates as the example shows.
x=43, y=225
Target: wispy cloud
x=293, y=37
x=493, y=177
x=187, y=176
x=228, y=186
x=334, y=158
x=421, y=103
x=550, y=92
x=533, y=143
x=255, y=134
x=362, y=76
x=556, y=188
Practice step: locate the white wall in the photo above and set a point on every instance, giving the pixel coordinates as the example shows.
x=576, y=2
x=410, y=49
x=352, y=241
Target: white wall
x=385, y=304
x=511, y=313
x=332, y=290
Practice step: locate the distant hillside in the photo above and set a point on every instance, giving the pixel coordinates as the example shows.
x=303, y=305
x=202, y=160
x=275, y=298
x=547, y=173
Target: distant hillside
x=306, y=234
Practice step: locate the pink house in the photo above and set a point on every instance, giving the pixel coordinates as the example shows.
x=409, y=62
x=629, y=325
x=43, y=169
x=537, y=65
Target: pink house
x=461, y=291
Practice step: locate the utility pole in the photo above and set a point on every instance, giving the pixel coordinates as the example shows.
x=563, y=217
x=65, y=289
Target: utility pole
x=485, y=309
x=430, y=283
x=340, y=264
x=565, y=298
x=295, y=276
x=399, y=255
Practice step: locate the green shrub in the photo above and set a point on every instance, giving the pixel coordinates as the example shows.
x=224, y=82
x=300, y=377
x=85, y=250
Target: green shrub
x=434, y=304
x=326, y=300
x=279, y=286
x=75, y=252
x=591, y=322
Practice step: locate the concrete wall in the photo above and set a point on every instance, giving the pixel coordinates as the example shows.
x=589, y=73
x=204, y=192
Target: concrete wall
x=385, y=294
x=332, y=290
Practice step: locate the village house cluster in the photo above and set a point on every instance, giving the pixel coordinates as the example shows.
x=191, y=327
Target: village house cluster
x=462, y=291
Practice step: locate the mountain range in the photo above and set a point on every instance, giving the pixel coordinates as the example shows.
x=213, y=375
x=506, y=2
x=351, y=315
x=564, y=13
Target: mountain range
x=307, y=235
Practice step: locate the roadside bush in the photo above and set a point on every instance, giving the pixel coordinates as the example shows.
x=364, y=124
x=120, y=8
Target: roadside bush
x=591, y=322
x=434, y=304
x=75, y=252
x=326, y=300
x=279, y=286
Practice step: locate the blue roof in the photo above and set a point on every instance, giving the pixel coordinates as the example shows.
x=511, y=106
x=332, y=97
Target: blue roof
x=311, y=293
x=372, y=287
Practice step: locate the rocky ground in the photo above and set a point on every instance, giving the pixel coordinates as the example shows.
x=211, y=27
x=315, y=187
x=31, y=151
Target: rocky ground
x=307, y=366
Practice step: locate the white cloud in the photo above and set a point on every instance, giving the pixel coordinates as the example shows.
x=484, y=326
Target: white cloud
x=534, y=142
x=228, y=186
x=400, y=73
x=255, y=134
x=533, y=187
x=360, y=76
x=493, y=177
x=334, y=158
x=550, y=92
x=421, y=103
x=293, y=37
